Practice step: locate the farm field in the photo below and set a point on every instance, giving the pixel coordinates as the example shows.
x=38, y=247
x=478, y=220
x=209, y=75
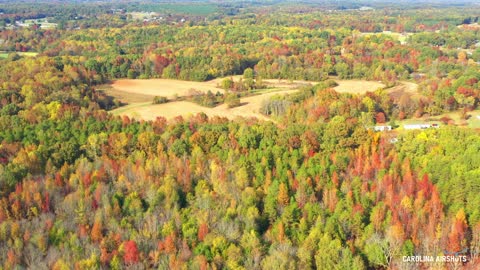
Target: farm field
x=162, y=87
x=147, y=111
x=357, y=86
x=132, y=88
x=139, y=94
x=170, y=88
x=344, y=86
x=190, y=8
x=404, y=87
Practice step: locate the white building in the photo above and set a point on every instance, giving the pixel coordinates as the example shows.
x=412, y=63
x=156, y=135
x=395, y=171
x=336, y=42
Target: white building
x=420, y=126
x=382, y=128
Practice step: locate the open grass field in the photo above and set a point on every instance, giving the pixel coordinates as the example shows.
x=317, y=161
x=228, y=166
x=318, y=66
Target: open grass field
x=404, y=87
x=162, y=87
x=142, y=15
x=289, y=84
x=4, y=54
x=401, y=37
x=251, y=105
x=147, y=111
x=357, y=86
x=44, y=24
x=473, y=120
x=344, y=86
x=124, y=96
x=192, y=9
x=139, y=95
x=170, y=88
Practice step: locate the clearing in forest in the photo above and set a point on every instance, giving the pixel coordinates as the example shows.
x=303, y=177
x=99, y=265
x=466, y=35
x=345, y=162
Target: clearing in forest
x=162, y=87
x=4, y=54
x=139, y=95
x=357, y=86
x=404, y=88
x=450, y=118
x=133, y=90
x=250, y=107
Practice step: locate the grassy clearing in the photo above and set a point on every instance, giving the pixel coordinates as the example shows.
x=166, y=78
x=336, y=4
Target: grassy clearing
x=192, y=9
x=42, y=22
x=131, y=107
x=357, y=86
x=124, y=96
x=250, y=107
x=133, y=91
x=473, y=120
x=267, y=90
x=161, y=87
x=139, y=95
x=4, y=54
x=401, y=37
x=404, y=88
x=199, y=9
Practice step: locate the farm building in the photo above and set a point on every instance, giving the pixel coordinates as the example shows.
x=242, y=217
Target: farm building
x=420, y=126
x=382, y=128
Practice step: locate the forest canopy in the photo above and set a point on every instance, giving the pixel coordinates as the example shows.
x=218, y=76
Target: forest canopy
x=311, y=187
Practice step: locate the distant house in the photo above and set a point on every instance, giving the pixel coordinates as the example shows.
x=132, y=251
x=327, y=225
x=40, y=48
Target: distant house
x=420, y=126
x=382, y=128
x=365, y=8
x=418, y=76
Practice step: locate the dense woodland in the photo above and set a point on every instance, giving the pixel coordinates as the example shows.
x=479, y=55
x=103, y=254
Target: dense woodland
x=314, y=189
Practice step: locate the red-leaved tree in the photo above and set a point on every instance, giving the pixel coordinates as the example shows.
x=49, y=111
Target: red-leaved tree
x=130, y=252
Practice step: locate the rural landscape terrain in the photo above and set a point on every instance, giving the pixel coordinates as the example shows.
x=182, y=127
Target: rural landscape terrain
x=317, y=134
x=133, y=92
